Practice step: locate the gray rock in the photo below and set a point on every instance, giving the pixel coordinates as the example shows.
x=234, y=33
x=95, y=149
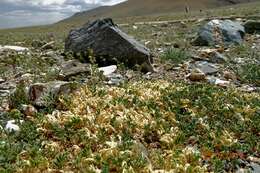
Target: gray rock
x=14, y=48
x=115, y=79
x=255, y=167
x=252, y=26
x=2, y=80
x=206, y=67
x=73, y=68
x=4, y=93
x=49, y=45
x=41, y=94
x=108, y=43
x=108, y=70
x=28, y=110
x=217, y=57
x=11, y=126
x=220, y=32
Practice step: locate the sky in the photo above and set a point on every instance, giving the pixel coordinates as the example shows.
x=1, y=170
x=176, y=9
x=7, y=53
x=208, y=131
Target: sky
x=18, y=13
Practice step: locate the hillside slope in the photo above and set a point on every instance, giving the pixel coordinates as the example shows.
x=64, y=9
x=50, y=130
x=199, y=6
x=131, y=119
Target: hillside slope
x=148, y=7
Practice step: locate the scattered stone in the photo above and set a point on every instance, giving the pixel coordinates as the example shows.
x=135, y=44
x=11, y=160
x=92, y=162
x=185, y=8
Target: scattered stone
x=197, y=75
x=2, y=80
x=108, y=70
x=255, y=167
x=135, y=27
x=220, y=32
x=243, y=170
x=40, y=94
x=219, y=82
x=73, y=68
x=217, y=57
x=147, y=43
x=229, y=75
x=27, y=77
x=252, y=26
x=109, y=43
x=167, y=44
x=29, y=110
x=4, y=93
x=8, y=85
x=115, y=79
x=212, y=55
x=248, y=88
x=49, y=45
x=130, y=74
x=222, y=83
x=206, y=67
x=11, y=126
x=15, y=48
x=254, y=159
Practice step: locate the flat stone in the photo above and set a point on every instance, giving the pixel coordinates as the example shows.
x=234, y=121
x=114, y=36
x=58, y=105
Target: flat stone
x=108, y=70
x=256, y=167
x=73, y=68
x=206, y=67
x=2, y=80
x=220, y=82
x=115, y=79
x=15, y=48
x=4, y=93
x=217, y=57
x=48, y=45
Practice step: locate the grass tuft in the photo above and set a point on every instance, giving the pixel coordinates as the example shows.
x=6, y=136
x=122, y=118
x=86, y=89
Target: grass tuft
x=175, y=55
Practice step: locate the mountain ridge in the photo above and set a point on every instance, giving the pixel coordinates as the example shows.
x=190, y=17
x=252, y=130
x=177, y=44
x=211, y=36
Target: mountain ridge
x=149, y=7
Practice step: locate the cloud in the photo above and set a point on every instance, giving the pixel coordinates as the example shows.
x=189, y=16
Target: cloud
x=17, y=13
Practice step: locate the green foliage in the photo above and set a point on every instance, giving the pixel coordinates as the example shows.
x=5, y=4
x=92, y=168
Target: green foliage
x=15, y=114
x=60, y=160
x=176, y=56
x=50, y=101
x=250, y=73
x=19, y=96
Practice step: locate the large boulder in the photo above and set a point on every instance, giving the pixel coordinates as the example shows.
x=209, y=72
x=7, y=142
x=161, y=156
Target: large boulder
x=108, y=43
x=220, y=32
x=44, y=94
x=252, y=26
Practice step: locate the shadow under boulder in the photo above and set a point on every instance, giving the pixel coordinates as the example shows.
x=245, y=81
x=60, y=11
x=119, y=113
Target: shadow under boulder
x=108, y=44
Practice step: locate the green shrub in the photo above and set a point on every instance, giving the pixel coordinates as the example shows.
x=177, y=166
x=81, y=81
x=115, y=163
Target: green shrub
x=19, y=96
x=176, y=56
x=250, y=73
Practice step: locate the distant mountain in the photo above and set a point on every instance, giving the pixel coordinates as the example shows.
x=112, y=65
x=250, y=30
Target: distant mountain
x=148, y=7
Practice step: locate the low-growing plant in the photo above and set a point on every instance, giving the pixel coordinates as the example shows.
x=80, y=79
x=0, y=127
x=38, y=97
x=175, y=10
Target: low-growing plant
x=60, y=160
x=19, y=96
x=250, y=73
x=175, y=55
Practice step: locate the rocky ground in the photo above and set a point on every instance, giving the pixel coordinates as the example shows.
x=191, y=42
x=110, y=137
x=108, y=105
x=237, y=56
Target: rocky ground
x=197, y=110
